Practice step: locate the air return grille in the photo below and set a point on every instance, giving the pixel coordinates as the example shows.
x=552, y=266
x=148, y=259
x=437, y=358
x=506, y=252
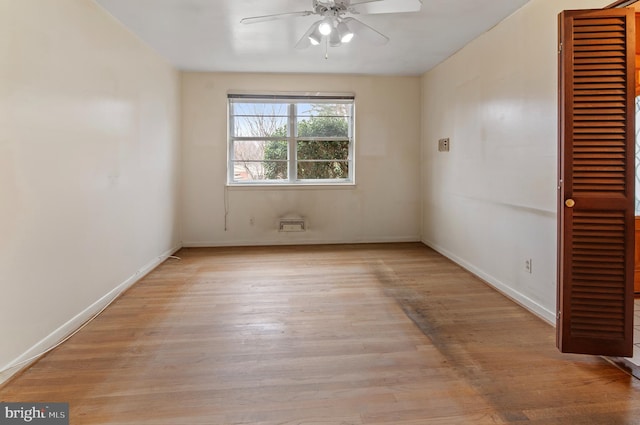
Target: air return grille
x=292, y=225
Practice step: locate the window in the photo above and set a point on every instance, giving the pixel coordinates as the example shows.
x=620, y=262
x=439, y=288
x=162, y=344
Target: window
x=286, y=139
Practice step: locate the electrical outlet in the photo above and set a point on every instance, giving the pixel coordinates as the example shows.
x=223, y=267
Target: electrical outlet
x=528, y=265
x=443, y=145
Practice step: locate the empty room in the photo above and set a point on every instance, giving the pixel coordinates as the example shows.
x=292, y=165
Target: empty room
x=304, y=212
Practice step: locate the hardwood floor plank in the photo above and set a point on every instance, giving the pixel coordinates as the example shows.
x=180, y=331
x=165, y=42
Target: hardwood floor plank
x=356, y=334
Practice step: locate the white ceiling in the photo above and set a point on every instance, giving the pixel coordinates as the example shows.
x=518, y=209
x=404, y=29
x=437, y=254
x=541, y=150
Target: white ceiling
x=206, y=35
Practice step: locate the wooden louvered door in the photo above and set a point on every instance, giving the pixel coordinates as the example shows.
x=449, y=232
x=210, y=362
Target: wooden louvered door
x=596, y=182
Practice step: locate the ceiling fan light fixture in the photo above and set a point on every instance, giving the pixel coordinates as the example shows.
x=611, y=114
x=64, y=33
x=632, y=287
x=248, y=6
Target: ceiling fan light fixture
x=346, y=35
x=325, y=27
x=334, y=39
x=315, y=37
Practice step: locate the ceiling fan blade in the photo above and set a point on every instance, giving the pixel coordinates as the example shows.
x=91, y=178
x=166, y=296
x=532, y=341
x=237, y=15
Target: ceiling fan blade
x=360, y=29
x=370, y=7
x=265, y=18
x=356, y=3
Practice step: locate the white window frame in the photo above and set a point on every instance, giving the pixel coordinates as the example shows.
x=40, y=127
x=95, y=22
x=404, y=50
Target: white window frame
x=292, y=100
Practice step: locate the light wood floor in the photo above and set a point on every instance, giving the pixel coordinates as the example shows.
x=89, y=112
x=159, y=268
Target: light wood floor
x=363, y=334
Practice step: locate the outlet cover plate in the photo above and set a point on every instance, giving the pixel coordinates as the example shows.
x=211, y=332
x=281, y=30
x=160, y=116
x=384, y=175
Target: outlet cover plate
x=443, y=145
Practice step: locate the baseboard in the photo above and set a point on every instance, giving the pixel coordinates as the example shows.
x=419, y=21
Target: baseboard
x=216, y=244
x=519, y=298
x=70, y=326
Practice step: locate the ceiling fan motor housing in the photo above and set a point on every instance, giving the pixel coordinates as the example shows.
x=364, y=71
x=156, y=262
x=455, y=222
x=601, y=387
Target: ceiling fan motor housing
x=335, y=8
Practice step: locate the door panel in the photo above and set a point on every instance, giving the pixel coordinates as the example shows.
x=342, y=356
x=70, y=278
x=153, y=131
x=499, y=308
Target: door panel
x=596, y=182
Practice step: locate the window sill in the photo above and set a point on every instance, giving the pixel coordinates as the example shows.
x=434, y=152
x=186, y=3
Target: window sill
x=296, y=186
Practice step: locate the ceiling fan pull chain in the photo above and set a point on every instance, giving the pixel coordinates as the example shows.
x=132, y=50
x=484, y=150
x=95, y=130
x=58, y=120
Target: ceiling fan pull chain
x=326, y=47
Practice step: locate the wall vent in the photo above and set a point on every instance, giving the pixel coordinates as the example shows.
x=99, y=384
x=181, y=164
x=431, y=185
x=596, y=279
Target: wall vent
x=292, y=225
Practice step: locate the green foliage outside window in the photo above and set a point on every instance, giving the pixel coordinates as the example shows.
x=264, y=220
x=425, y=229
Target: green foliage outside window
x=317, y=159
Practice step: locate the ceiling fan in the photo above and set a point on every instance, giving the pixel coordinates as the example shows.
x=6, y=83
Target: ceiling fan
x=335, y=27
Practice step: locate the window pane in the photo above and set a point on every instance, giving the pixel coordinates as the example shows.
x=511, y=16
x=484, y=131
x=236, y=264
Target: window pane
x=258, y=108
x=323, y=119
x=260, y=126
x=258, y=150
x=323, y=170
x=323, y=127
x=259, y=119
x=245, y=171
x=318, y=149
x=324, y=110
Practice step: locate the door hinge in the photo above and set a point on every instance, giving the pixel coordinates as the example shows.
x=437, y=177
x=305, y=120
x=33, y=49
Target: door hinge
x=558, y=315
x=559, y=48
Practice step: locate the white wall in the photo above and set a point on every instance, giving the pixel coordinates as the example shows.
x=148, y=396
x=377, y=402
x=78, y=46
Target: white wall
x=89, y=165
x=383, y=206
x=490, y=203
